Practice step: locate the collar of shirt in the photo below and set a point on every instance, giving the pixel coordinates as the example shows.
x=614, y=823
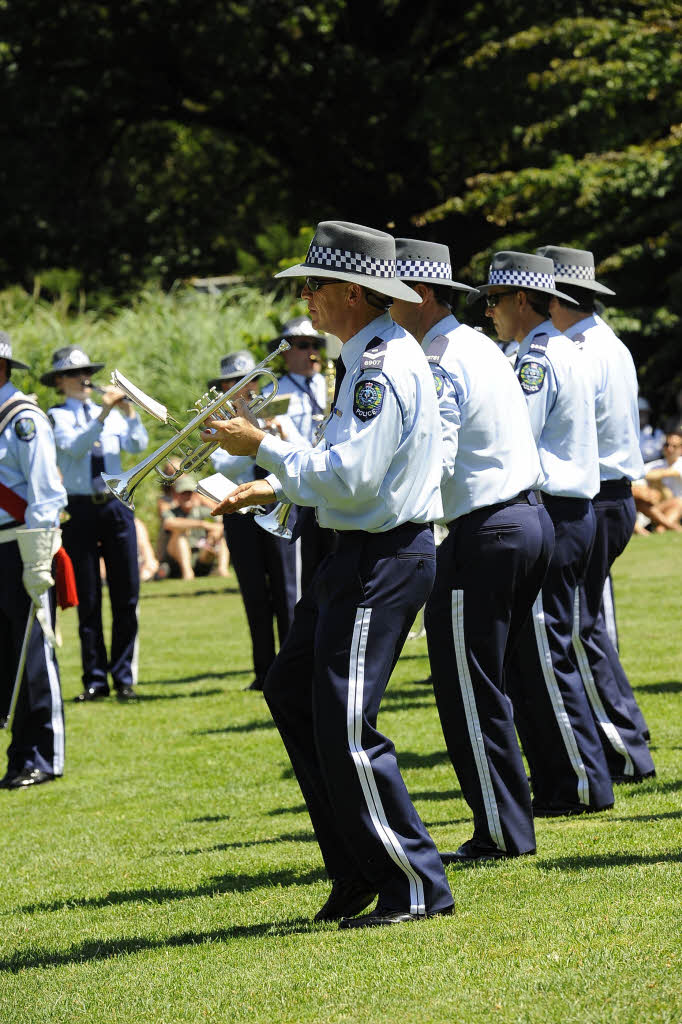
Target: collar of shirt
x=444, y=326
x=355, y=346
x=580, y=327
x=546, y=327
x=77, y=406
x=7, y=390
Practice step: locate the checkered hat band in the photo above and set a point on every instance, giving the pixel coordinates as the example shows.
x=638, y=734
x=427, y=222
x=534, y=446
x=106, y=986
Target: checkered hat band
x=527, y=278
x=5, y=350
x=423, y=268
x=572, y=270
x=350, y=262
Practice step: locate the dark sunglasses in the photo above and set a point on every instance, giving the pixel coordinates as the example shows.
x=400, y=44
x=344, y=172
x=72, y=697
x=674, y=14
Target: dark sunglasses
x=74, y=373
x=492, y=300
x=306, y=344
x=313, y=284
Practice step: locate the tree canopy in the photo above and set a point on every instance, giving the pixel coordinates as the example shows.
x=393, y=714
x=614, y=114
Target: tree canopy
x=144, y=140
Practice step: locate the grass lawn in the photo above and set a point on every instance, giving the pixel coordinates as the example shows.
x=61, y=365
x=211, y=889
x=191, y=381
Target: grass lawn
x=171, y=875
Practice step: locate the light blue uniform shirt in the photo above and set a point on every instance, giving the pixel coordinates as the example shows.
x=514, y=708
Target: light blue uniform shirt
x=75, y=436
x=302, y=418
x=559, y=391
x=379, y=462
x=237, y=468
x=615, y=382
x=489, y=453
x=28, y=465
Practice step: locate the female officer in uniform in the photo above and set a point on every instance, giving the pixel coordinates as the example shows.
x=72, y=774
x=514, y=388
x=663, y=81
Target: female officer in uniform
x=375, y=479
x=89, y=440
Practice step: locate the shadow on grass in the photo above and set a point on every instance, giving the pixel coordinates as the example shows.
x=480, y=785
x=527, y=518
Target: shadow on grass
x=671, y=686
x=245, y=727
x=607, y=860
x=286, y=837
x=395, y=696
x=148, y=697
x=97, y=949
x=193, y=679
x=297, y=809
x=430, y=794
x=186, y=594
x=650, y=817
x=218, y=884
x=408, y=759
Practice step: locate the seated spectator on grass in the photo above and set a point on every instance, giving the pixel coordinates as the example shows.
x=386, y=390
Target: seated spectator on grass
x=146, y=559
x=195, y=543
x=664, y=483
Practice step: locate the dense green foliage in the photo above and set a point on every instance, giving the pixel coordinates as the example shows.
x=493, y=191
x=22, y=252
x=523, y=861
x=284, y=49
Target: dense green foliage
x=155, y=141
x=171, y=875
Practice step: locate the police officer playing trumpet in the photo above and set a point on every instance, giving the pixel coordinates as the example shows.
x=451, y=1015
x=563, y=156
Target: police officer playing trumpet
x=374, y=477
x=89, y=439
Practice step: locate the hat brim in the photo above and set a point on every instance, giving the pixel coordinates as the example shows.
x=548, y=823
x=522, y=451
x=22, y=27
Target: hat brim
x=219, y=380
x=457, y=285
x=16, y=364
x=49, y=377
x=391, y=286
x=483, y=289
x=590, y=286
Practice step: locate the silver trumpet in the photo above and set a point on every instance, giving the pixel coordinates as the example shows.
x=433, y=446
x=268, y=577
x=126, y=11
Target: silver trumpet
x=212, y=405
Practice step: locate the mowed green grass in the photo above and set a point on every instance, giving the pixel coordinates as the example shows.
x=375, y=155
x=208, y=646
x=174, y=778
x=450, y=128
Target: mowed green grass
x=171, y=875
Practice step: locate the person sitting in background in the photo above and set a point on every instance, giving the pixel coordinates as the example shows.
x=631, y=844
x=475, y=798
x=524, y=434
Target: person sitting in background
x=195, y=545
x=146, y=559
x=665, y=477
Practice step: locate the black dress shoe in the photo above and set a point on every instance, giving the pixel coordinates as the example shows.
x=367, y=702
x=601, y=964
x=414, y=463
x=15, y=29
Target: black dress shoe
x=92, y=693
x=473, y=852
x=348, y=897
x=383, y=918
x=126, y=694
x=7, y=780
x=556, y=811
x=32, y=778
x=620, y=780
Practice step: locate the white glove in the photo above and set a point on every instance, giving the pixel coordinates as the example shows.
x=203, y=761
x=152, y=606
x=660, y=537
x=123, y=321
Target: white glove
x=37, y=549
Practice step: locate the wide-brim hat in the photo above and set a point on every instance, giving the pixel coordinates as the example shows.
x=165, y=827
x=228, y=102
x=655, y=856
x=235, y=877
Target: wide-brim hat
x=233, y=366
x=6, y=352
x=420, y=262
x=352, y=252
x=574, y=267
x=298, y=327
x=69, y=358
x=521, y=270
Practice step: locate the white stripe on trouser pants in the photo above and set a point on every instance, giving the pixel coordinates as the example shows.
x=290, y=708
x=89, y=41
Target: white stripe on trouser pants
x=363, y=766
x=56, y=718
x=610, y=612
x=603, y=720
x=473, y=722
x=562, y=719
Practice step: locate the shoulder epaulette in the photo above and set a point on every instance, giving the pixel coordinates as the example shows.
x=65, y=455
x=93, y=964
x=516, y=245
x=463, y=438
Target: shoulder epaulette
x=437, y=349
x=374, y=355
x=11, y=408
x=539, y=342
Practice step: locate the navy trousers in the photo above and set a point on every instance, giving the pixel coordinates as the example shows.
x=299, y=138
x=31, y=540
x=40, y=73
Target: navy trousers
x=553, y=716
x=267, y=577
x=621, y=725
x=106, y=530
x=490, y=569
x=324, y=691
x=38, y=728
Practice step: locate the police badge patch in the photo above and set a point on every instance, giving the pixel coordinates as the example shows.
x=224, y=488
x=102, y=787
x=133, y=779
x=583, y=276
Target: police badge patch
x=25, y=428
x=368, y=399
x=532, y=377
x=438, y=381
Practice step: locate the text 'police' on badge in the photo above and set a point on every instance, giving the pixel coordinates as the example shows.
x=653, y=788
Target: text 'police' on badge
x=368, y=399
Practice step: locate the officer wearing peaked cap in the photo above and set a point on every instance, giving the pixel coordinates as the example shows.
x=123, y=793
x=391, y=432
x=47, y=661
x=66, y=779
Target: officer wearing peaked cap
x=374, y=478
x=490, y=565
x=569, y=774
x=31, y=499
x=89, y=440
x=265, y=565
x=621, y=723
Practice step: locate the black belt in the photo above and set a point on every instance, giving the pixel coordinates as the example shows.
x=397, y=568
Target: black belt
x=614, y=488
x=92, y=499
x=522, y=498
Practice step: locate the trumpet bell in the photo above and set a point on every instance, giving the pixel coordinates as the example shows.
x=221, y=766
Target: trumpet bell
x=118, y=485
x=275, y=522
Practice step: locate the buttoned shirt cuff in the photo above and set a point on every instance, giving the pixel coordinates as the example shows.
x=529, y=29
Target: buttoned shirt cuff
x=271, y=453
x=277, y=487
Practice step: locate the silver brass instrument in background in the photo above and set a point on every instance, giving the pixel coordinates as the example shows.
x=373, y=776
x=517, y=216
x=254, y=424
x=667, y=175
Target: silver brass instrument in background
x=275, y=522
x=212, y=405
